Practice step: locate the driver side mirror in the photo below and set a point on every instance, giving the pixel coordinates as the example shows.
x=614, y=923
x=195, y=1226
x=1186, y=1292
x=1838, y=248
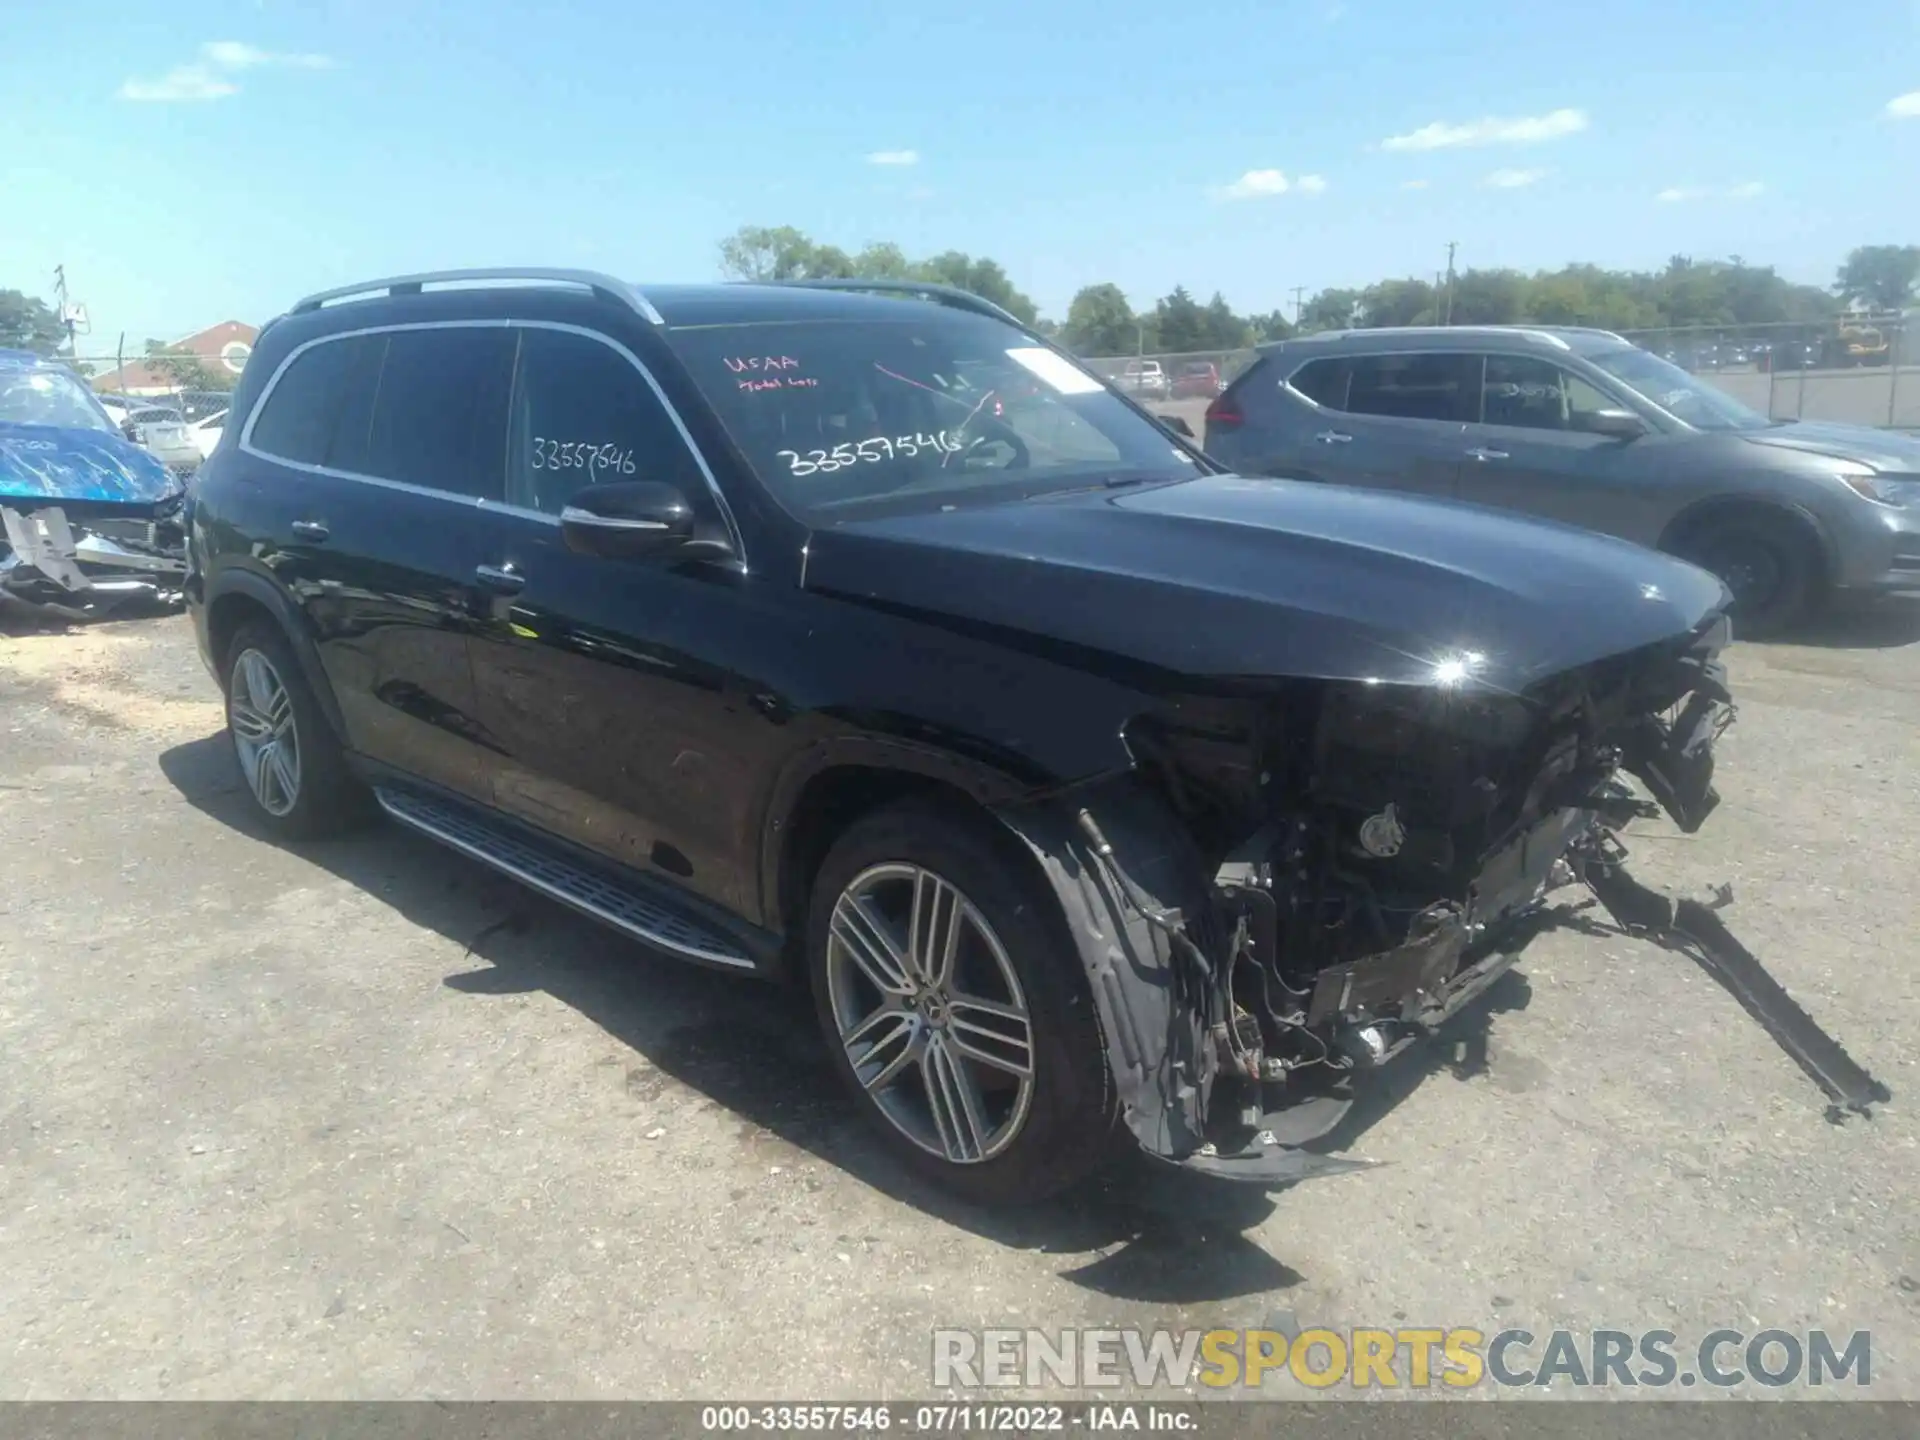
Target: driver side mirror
x=1614, y=424
x=627, y=520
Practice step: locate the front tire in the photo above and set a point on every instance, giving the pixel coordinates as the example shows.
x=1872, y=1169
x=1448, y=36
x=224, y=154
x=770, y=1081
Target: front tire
x=294, y=769
x=955, y=1009
x=1771, y=564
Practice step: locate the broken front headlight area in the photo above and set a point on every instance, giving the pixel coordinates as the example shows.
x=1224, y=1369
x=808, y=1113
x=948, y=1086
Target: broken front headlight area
x=1294, y=886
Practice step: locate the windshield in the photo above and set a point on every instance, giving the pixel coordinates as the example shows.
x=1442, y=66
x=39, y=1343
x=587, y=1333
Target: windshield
x=929, y=409
x=49, y=397
x=1695, y=401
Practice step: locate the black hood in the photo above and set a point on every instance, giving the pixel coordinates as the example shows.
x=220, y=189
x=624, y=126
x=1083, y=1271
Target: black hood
x=1225, y=577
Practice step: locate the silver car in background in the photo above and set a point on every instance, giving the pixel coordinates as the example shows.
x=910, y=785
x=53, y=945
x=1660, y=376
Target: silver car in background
x=1583, y=427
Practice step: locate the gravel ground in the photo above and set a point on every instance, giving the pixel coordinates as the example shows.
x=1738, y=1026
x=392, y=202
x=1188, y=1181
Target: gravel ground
x=362, y=1120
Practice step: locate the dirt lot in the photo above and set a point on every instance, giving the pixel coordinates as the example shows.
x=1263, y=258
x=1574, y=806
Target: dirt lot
x=363, y=1120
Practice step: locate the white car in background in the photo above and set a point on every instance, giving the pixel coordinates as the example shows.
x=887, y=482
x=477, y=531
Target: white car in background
x=1145, y=378
x=206, y=433
x=162, y=432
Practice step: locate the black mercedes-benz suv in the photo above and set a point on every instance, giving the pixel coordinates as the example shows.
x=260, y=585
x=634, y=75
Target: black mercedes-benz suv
x=857, y=635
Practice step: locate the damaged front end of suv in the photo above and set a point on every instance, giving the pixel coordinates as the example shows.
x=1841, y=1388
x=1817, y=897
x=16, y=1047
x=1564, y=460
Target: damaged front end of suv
x=1329, y=834
x=1380, y=854
x=90, y=520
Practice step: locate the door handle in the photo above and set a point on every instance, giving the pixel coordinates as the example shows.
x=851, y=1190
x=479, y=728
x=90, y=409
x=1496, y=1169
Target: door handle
x=1333, y=437
x=1483, y=454
x=310, y=530
x=500, y=579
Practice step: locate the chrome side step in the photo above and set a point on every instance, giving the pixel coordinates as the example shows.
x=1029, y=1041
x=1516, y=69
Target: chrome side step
x=623, y=907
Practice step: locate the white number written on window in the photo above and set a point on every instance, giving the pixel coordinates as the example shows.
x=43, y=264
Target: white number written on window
x=581, y=455
x=878, y=447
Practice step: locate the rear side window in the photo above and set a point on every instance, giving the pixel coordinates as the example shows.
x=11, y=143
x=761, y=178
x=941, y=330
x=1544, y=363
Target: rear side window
x=440, y=415
x=582, y=415
x=1324, y=382
x=1415, y=387
x=319, y=409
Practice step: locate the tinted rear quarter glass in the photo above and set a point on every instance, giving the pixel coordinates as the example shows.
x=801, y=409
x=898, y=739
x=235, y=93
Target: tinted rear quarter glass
x=1415, y=387
x=1324, y=382
x=440, y=414
x=317, y=412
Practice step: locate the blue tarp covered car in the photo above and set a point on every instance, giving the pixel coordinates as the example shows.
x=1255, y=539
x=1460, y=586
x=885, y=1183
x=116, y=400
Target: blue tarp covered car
x=90, y=518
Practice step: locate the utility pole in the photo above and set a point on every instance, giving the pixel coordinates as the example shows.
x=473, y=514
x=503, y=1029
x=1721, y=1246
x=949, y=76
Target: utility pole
x=1298, y=291
x=1452, y=245
x=66, y=310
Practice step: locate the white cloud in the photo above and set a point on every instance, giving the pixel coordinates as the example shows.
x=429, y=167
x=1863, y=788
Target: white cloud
x=1746, y=190
x=894, y=157
x=1515, y=179
x=208, y=78
x=1254, y=184
x=1414, y=184
x=1904, y=107
x=1311, y=184
x=1491, y=130
x=183, y=82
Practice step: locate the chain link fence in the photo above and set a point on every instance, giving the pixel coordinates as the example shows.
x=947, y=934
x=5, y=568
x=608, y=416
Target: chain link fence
x=1859, y=371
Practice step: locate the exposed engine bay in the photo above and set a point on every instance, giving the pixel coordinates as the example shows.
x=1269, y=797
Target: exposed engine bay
x=83, y=558
x=1294, y=886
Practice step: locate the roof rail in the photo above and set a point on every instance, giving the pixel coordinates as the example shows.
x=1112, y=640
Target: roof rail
x=950, y=295
x=1363, y=332
x=607, y=287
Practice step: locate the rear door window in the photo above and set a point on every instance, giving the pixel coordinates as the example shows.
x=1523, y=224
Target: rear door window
x=318, y=411
x=583, y=414
x=1415, y=387
x=440, y=416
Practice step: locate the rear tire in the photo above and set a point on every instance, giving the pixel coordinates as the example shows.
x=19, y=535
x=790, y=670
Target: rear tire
x=941, y=1058
x=1769, y=562
x=294, y=769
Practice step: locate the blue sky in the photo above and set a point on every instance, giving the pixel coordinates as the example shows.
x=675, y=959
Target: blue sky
x=189, y=164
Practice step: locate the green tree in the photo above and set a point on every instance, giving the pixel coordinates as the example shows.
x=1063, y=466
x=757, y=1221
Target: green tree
x=1224, y=329
x=184, y=371
x=982, y=277
x=1399, y=302
x=29, y=323
x=1330, y=310
x=883, y=260
x=774, y=253
x=1100, y=322
x=1487, y=297
x=1180, y=325
x=759, y=252
x=1879, y=277
x=1273, y=325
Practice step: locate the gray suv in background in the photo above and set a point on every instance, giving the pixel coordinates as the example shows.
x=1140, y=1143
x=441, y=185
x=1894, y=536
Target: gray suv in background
x=1582, y=427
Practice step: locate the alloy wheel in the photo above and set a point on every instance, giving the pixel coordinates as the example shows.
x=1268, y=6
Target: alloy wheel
x=1750, y=570
x=265, y=738
x=931, y=1012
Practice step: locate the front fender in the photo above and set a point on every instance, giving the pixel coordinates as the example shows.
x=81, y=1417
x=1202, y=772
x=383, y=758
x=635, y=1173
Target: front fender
x=1151, y=1016
x=986, y=783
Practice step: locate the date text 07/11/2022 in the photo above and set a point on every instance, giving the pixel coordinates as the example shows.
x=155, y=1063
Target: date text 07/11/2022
x=945, y=1418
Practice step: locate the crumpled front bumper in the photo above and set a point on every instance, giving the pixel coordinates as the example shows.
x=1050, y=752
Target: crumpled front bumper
x=1151, y=931
x=86, y=557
